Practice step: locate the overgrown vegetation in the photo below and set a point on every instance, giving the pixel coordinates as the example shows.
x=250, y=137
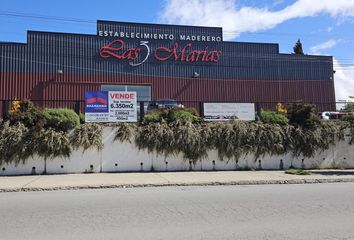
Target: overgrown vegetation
x=183, y=114
x=349, y=119
x=87, y=136
x=349, y=107
x=11, y=142
x=31, y=131
x=123, y=132
x=303, y=114
x=154, y=116
x=273, y=117
x=236, y=138
x=192, y=140
x=52, y=143
x=28, y=114
x=172, y=115
x=61, y=119
x=18, y=143
x=31, y=116
x=307, y=141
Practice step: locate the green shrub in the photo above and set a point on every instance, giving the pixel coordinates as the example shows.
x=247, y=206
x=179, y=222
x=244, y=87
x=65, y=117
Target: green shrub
x=273, y=117
x=61, y=119
x=349, y=107
x=171, y=115
x=32, y=116
x=303, y=114
x=153, y=116
x=183, y=114
x=28, y=114
x=349, y=118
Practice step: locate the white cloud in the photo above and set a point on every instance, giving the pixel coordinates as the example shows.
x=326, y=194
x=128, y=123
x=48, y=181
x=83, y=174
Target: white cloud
x=343, y=81
x=322, y=46
x=236, y=20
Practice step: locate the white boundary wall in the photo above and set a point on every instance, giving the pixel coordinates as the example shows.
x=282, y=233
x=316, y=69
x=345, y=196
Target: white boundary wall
x=125, y=157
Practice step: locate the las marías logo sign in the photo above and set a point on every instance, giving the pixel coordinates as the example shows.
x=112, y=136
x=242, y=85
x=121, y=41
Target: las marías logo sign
x=178, y=52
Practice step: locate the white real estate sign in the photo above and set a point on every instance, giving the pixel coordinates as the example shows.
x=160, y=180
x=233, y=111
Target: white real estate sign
x=111, y=106
x=122, y=106
x=228, y=111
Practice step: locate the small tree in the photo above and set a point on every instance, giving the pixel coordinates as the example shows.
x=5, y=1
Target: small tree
x=349, y=107
x=302, y=114
x=298, y=48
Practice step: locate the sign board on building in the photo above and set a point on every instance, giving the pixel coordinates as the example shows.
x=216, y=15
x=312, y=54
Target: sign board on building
x=110, y=106
x=229, y=111
x=178, y=52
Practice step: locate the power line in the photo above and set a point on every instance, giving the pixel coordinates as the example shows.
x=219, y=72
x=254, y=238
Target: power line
x=77, y=20
x=44, y=17
x=90, y=21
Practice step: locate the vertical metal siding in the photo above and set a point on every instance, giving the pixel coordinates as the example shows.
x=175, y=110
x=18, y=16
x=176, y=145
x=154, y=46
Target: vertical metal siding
x=247, y=72
x=79, y=54
x=159, y=29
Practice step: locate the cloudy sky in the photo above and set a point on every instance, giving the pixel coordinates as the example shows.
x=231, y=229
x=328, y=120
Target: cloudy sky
x=324, y=26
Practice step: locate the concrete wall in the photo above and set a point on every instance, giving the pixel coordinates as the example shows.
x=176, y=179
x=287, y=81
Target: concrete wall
x=125, y=157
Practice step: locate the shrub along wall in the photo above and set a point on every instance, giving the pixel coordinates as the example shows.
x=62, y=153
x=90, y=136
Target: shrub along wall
x=175, y=147
x=176, y=134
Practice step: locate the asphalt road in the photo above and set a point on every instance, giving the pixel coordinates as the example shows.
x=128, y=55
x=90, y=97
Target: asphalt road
x=313, y=211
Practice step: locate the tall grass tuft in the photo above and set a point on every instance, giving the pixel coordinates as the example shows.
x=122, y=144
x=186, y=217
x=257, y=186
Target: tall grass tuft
x=52, y=143
x=123, y=132
x=12, y=143
x=88, y=135
x=18, y=143
x=234, y=139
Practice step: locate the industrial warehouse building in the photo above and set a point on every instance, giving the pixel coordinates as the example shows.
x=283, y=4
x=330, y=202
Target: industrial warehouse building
x=187, y=63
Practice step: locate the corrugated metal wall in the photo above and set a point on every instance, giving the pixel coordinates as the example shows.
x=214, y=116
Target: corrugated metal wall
x=73, y=87
x=246, y=72
x=48, y=52
x=176, y=30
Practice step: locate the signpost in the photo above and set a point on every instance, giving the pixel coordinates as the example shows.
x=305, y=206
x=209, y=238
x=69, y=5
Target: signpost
x=110, y=106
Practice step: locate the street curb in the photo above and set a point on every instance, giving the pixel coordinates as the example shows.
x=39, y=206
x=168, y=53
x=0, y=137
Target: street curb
x=230, y=183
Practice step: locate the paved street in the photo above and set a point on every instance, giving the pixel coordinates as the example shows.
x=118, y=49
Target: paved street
x=311, y=211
